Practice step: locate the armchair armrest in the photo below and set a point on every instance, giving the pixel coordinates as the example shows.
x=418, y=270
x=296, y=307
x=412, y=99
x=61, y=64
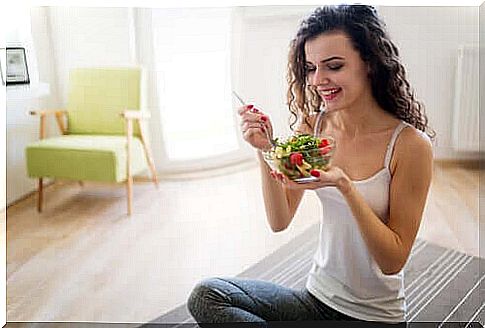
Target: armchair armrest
x=44, y=112
x=59, y=113
x=134, y=114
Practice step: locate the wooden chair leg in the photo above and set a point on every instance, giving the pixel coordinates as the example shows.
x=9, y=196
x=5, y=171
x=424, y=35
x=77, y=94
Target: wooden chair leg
x=148, y=155
x=154, y=172
x=40, y=196
x=151, y=164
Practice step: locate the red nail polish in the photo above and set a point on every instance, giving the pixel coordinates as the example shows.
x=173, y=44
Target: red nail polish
x=315, y=173
x=264, y=118
x=250, y=106
x=262, y=129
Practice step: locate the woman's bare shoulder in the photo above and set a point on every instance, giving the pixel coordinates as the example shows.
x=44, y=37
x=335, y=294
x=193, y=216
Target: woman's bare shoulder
x=412, y=144
x=411, y=136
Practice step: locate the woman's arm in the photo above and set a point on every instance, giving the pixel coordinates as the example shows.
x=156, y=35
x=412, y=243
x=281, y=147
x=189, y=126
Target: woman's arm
x=280, y=203
x=391, y=244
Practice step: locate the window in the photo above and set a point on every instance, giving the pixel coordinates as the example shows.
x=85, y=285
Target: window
x=192, y=50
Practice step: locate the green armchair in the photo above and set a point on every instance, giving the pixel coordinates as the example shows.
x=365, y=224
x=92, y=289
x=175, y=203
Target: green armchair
x=104, y=139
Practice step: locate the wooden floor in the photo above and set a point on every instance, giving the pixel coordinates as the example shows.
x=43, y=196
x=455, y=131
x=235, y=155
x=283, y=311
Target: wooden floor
x=83, y=259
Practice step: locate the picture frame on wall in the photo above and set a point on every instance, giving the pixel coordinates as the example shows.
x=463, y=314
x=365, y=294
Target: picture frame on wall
x=3, y=65
x=16, y=69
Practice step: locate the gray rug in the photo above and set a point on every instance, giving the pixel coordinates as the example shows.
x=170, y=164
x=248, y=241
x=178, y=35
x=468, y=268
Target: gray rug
x=442, y=286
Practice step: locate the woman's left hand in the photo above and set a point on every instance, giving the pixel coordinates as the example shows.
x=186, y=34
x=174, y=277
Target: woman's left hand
x=332, y=177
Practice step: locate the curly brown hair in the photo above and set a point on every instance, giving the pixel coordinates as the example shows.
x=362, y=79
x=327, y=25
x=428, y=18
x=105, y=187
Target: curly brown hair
x=368, y=33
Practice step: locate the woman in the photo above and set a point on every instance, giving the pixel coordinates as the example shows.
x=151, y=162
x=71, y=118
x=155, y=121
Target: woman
x=373, y=195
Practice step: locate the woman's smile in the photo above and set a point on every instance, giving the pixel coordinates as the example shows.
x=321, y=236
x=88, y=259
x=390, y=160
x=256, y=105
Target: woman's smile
x=330, y=94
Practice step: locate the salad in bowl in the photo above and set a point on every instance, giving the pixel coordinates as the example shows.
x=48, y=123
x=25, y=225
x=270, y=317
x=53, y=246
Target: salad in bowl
x=298, y=155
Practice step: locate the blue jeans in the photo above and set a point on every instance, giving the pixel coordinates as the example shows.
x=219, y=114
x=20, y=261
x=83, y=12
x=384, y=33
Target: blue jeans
x=230, y=300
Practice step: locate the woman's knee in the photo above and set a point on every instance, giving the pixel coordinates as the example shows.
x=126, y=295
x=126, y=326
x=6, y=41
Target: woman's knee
x=204, y=294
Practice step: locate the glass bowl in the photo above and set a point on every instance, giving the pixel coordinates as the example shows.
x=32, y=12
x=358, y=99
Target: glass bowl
x=297, y=155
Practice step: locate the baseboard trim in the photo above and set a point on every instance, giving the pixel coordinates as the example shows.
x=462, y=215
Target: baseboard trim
x=210, y=172
x=473, y=164
x=30, y=194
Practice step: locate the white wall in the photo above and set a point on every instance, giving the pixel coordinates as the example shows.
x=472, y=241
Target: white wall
x=3, y=136
x=21, y=128
x=428, y=38
x=3, y=203
x=481, y=191
x=84, y=37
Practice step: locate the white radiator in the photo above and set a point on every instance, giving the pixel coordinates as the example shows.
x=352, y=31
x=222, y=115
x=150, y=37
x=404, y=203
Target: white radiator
x=465, y=127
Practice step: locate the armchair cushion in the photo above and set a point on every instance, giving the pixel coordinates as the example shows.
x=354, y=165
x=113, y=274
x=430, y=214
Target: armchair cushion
x=84, y=157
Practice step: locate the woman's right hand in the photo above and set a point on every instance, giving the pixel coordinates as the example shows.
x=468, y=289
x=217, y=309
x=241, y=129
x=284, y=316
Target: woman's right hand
x=253, y=123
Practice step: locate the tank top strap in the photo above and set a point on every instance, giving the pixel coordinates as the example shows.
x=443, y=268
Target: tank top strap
x=390, y=146
x=318, y=123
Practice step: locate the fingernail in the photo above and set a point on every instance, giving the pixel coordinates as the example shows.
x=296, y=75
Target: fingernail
x=264, y=118
x=250, y=106
x=262, y=129
x=315, y=173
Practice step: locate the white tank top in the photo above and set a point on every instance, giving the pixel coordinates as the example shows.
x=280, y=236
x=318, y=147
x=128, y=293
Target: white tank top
x=344, y=274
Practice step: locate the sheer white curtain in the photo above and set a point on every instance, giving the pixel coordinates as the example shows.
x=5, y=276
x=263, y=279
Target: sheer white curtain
x=192, y=63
